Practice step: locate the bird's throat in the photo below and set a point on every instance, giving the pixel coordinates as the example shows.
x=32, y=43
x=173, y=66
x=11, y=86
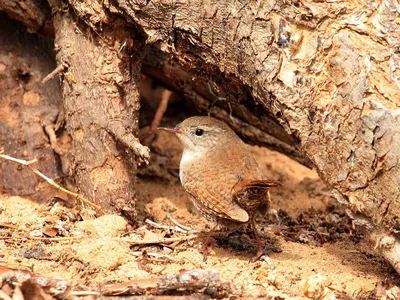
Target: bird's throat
x=188, y=157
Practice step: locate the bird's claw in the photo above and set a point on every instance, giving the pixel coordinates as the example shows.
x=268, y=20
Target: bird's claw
x=259, y=254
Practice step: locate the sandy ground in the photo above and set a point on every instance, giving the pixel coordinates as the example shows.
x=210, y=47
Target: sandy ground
x=313, y=248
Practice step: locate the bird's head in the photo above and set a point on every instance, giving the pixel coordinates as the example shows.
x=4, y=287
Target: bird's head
x=202, y=133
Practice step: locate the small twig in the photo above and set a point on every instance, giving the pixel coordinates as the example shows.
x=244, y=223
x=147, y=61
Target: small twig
x=178, y=227
x=49, y=180
x=117, y=129
x=162, y=107
x=76, y=195
x=160, y=240
x=162, y=257
x=53, y=74
x=218, y=98
x=157, y=225
x=13, y=227
x=85, y=293
x=54, y=239
x=20, y=161
x=176, y=223
x=49, y=129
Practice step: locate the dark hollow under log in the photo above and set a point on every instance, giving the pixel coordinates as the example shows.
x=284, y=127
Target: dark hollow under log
x=234, y=105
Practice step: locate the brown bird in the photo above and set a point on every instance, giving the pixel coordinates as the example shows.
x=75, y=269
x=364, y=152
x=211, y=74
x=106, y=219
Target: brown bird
x=221, y=176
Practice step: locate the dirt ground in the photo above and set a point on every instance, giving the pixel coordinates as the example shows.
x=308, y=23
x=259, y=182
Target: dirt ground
x=313, y=247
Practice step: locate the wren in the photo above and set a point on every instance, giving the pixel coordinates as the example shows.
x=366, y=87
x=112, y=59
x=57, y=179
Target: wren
x=221, y=176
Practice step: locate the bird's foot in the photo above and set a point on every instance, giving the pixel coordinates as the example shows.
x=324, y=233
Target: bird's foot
x=259, y=253
x=206, y=247
x=262, y=255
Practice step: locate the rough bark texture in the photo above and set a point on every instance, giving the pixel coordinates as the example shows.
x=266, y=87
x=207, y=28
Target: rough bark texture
x=28, y=110
x=101, y=100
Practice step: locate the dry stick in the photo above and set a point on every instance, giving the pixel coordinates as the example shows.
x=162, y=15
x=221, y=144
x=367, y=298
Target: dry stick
x=56, y=239
x=176, y=223
x=130, y=241
x=13, y=227
x=160, y=240
x=49, y=180
x=76, y=195
x=161, y=226
x=162, y=107
x=157, y=225
x=53, y=74
x=160, y=256
x=191, y=281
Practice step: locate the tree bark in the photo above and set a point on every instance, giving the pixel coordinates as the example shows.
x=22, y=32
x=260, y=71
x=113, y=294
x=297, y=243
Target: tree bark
x=101, y=100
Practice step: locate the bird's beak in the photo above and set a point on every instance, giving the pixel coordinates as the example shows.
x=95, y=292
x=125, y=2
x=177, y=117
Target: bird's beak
x=175, y=129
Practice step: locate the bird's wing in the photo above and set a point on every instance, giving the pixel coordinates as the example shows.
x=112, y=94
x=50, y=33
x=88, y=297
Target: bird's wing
x=223, y=208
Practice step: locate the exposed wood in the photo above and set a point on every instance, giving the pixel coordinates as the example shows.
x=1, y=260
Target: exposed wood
x=204, y=282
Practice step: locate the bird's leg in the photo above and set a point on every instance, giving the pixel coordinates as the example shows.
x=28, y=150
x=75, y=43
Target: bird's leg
x=260, y=245
x=209, y=242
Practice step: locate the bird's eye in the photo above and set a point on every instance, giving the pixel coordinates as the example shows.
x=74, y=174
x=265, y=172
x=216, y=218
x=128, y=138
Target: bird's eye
x=199, y=132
